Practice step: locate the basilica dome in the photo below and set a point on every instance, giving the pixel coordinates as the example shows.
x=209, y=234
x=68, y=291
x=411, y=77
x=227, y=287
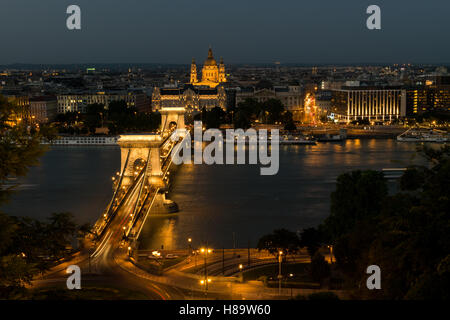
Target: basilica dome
x=210, y=61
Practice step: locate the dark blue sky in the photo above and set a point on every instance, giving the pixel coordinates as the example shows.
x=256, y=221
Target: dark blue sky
x=242, y=31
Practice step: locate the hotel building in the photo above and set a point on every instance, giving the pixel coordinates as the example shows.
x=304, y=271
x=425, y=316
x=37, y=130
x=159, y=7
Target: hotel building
x=371, y=103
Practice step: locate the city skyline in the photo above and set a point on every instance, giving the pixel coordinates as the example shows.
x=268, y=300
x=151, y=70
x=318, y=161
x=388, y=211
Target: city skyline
x=228, y=151
x=288, y=32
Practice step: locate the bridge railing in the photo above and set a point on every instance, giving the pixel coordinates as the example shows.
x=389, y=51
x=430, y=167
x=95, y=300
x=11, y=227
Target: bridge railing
x=108, y=219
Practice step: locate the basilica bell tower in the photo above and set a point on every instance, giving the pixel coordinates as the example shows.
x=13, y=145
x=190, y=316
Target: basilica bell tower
x=193, y=72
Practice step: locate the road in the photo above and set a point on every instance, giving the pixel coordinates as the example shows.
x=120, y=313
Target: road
x=99, y=268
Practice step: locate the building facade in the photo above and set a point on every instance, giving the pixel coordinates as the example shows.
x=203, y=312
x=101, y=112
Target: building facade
x=190, y=97
x=212, y=73
x=207, y=92
x=43, y=109
x=425, y=99
x=379, y=104
x=79, y=102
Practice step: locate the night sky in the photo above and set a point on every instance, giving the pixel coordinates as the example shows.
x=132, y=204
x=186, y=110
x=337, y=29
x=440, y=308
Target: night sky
x=242, y=31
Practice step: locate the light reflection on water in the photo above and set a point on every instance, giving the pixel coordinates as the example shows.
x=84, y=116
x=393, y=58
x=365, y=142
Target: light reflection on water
x=215, y=201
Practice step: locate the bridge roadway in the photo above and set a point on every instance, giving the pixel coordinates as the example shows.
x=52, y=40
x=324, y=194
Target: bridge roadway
x=99, y=268
x=103, y=261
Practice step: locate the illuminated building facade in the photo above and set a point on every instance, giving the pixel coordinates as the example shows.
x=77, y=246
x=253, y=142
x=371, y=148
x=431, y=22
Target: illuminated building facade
x=380, y=104
x=79, y=102
x=427, y=99
x=190, y=97
x=198, y=94
x=212, y=74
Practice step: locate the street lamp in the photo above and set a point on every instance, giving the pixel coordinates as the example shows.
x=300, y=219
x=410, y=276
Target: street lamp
x=280, y=258
x=189, y=246
x=290, y=276
x=205, y=283
x=240, y=271
x=206, y=251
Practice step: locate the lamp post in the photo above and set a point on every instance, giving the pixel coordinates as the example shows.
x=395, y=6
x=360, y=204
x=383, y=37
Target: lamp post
x=205, y=251
x=280, y=258
x=205, y=283
x=240, y=272
x=290, y=276
x=189, y=246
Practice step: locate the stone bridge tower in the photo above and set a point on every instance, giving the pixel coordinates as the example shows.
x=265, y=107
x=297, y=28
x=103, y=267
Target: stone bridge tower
x=136, y=150
x=172, y=115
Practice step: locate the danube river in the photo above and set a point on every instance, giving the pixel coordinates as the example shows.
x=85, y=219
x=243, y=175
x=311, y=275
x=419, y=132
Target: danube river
x=221, y=204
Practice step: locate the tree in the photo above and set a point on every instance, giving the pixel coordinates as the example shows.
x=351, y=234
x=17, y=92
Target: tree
x=117, y=108
x=250, y=107
x=312, y=239
x=280, y=240
x=411, y=179
x=359, y=194
x=407, y=234
x=275, y=109
x=59, y=233
x=320, y=269
x=15, y=271
x=241, y=120
x=213, y=118
x=122, y=119
x=94, y=116
x=288, y=121
x=20, y=147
